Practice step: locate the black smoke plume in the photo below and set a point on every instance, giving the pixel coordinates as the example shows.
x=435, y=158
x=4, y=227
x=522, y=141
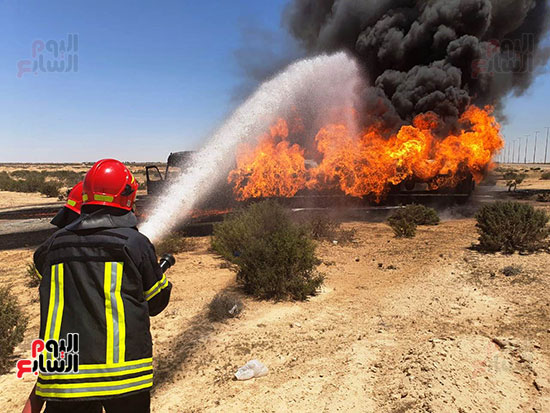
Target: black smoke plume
x=430, y=55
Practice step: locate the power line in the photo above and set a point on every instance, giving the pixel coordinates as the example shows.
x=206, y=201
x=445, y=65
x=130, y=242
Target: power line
x=546, y=150
x=526, y=145
x=535, y=150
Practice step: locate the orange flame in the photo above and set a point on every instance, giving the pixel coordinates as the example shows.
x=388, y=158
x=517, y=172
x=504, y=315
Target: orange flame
x=272, y=168
x=368, y=163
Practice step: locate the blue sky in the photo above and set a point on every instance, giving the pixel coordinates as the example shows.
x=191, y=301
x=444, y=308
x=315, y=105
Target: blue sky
x=153, y=77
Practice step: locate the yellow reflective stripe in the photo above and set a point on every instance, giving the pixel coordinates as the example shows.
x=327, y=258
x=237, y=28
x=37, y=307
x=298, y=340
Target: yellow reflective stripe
x=162, y=287
x=55, y=305
x=120, y=311
x=51, y=305
x=156, y=288
x=39, y=275
x=93, y=384
x=84, y=197
x=60, y=302
x=71, y=202
x=150, y=290
x=104, y=198
x=108, y=312
x=114, y=313
x=77, y=376
x=99, y=370
x=94, y=393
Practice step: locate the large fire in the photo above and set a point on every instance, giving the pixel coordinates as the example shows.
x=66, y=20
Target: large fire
x=368, y=163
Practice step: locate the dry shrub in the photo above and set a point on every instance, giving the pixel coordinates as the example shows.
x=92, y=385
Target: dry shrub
x=173, y=244
x=12, y=327
x=275, y=258
x=513, y=179
x=511, y=226
x=403, y=228
x=511, y=270
x=545, y=176
x=322, y=227
x=224, y=306
x=33, y=278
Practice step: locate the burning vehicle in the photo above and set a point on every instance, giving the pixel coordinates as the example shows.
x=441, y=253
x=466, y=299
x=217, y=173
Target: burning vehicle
x=364, y=168
x=175, y=165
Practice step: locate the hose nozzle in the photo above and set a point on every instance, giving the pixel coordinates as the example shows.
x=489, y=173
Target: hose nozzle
x=166, y=262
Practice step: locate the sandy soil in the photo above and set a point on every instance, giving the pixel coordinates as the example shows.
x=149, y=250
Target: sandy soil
x=422, y=325
x=401, y=325
x=20, y=199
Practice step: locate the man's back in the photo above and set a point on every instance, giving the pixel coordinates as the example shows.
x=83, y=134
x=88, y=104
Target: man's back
x=102, y=281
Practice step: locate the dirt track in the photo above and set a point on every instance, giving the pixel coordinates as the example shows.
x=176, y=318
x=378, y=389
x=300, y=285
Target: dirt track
x=407, y=327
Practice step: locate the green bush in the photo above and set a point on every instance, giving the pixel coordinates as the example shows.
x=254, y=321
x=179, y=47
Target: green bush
x=515, y=176
x=12, y=327
x=275, y=257
x=545, y=176
x=418, y=214
x=403, y=227
x=50, y=189
x=511, y=226
x=32, y=182
x=33, y=278
x=5, y=181
x=69, y=178
x=224, y=306
x=405, y=220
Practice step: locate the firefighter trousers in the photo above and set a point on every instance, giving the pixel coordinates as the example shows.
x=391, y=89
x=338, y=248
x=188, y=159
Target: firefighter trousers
x=135, y=403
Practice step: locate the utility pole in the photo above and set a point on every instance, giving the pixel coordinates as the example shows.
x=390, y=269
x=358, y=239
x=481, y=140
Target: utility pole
x=526, y=145
x=546, y=148
x=535, y=150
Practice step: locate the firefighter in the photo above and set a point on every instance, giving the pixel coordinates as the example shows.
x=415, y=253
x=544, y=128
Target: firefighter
x=101, y=279
x=71, y=210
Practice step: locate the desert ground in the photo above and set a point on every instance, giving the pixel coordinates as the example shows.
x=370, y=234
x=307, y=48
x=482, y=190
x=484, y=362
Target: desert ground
x=401, y=325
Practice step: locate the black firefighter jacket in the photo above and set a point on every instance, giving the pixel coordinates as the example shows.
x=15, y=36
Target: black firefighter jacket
x=100, y=279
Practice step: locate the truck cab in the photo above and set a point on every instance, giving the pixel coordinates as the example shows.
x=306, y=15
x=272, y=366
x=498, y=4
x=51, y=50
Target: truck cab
x=176, y=164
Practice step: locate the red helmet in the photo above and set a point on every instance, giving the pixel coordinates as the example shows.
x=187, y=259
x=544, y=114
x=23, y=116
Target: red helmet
x=74, y=200
x=109, y=182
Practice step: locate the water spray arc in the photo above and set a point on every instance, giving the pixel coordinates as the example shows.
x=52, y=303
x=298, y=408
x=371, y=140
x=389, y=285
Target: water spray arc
x=334, y=79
